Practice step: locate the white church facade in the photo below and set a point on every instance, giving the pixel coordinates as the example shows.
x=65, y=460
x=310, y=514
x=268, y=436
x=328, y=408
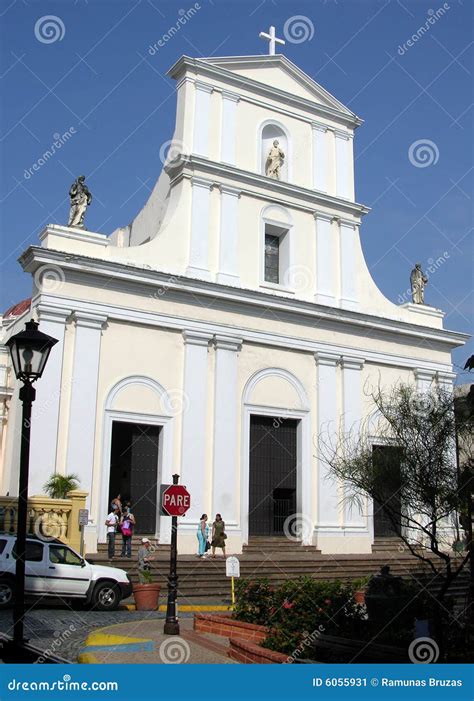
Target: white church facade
x=226, y=327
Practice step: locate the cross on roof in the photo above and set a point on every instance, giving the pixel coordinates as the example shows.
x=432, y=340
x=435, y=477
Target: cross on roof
x=272, y=40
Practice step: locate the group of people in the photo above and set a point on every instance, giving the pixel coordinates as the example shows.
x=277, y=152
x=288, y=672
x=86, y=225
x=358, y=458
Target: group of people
x=218, y=536
x=120, y=519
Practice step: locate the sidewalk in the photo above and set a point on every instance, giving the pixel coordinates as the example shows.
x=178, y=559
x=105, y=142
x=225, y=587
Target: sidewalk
x=143, y=642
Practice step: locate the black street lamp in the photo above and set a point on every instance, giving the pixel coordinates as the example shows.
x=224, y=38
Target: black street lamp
x=29, y=351
x=171, y=626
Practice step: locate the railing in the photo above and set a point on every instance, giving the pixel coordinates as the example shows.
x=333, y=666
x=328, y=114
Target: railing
x=47, y=518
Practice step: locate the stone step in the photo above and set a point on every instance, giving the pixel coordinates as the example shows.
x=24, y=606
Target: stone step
x=302, y=559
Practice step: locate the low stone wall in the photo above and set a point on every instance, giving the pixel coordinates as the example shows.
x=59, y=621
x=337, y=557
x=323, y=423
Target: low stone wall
x=248, y=653
x=51, y=518
x=228, y=627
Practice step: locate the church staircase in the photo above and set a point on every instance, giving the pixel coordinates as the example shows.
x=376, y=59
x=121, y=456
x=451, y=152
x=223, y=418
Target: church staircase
x=274, y=558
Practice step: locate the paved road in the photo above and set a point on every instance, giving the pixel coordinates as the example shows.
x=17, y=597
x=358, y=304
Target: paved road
x=63, y=631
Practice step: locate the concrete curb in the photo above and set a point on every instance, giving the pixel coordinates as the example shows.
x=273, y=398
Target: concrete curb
x=193, y=608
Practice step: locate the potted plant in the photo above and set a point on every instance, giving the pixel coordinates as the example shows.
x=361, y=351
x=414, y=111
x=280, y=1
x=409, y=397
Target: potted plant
x=58, y=486
x=360, y=586
x=146, y=593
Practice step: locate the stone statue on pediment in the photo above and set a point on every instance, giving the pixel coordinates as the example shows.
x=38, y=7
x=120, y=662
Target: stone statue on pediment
x=274, y=162
x=81, y=198
x=418, y=280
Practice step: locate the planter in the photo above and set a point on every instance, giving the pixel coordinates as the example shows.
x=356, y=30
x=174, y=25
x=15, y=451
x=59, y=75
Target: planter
x=250, y=653
x=229, y=627
x=146, y=596
x=359, y=596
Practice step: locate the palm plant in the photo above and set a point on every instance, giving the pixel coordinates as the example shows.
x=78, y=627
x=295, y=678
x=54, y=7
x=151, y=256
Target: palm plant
x=58, y=486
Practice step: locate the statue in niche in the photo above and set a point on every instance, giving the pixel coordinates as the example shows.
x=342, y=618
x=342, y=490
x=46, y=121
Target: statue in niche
x=274, y=162
x=418, y=280
x=81, y=198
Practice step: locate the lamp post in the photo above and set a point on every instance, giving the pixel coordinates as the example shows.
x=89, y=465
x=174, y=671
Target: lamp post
x=29, y=350
x=171, y=626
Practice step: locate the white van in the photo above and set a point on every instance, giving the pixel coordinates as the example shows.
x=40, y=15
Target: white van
x=55, y=570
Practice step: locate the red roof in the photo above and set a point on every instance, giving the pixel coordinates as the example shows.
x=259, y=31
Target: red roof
x=18, y=308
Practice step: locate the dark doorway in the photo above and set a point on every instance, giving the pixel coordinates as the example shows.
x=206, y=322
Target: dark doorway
x=387, y=474
x=272, y=479
x=134, y=470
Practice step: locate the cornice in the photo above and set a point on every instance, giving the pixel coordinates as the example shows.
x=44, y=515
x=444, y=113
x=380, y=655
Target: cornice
x=187, y=166
x=263, y=90
x=242, y=300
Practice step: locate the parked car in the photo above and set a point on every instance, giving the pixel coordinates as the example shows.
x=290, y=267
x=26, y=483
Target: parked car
x=55, y=570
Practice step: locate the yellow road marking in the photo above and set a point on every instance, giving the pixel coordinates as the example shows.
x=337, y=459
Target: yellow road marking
x=189, y=607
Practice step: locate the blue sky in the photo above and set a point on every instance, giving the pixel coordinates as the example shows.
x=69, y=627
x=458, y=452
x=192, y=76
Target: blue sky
x=100, y=82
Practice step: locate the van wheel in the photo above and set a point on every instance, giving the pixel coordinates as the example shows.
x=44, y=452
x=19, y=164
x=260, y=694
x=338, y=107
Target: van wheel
x=6, y=593
x=106, y=597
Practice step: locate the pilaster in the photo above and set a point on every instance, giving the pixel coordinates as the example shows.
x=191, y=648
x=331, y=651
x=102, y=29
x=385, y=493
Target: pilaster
x=229, y=117
x=320, y=148
x=348, y=231
x=343, y=144
x=352, y=416
x=424, y=378
x=202, y=106
x=45, y=412
x=199, y=250
x=83, y=404
x=194, y=426
x=328, y=518
x=228, y=237
x=225, y=485
x=325, y=251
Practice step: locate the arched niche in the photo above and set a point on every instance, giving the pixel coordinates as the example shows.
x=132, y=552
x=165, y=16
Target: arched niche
x=275, y=387
x=138, y=394
x=278, y=215
x=269, y=131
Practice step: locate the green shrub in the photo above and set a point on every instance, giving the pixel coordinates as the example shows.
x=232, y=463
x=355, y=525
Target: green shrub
x=297, y=608
x=254, y=601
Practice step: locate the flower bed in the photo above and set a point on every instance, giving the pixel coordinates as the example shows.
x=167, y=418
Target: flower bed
x=296, y=608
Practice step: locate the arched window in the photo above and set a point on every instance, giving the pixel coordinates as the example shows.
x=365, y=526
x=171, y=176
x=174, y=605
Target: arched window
x=270, y=132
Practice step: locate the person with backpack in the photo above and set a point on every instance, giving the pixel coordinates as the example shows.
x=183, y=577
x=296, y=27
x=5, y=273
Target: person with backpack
x=127, y=523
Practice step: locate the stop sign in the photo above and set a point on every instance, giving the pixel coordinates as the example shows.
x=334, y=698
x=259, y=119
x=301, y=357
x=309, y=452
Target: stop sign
x=176, y=500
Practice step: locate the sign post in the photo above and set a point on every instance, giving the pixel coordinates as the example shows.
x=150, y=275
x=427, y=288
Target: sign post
x=175, y=502
x=232, y=569
x=83, y=521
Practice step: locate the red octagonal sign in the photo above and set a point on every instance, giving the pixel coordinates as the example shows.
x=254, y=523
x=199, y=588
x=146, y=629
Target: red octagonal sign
x=176, y=500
